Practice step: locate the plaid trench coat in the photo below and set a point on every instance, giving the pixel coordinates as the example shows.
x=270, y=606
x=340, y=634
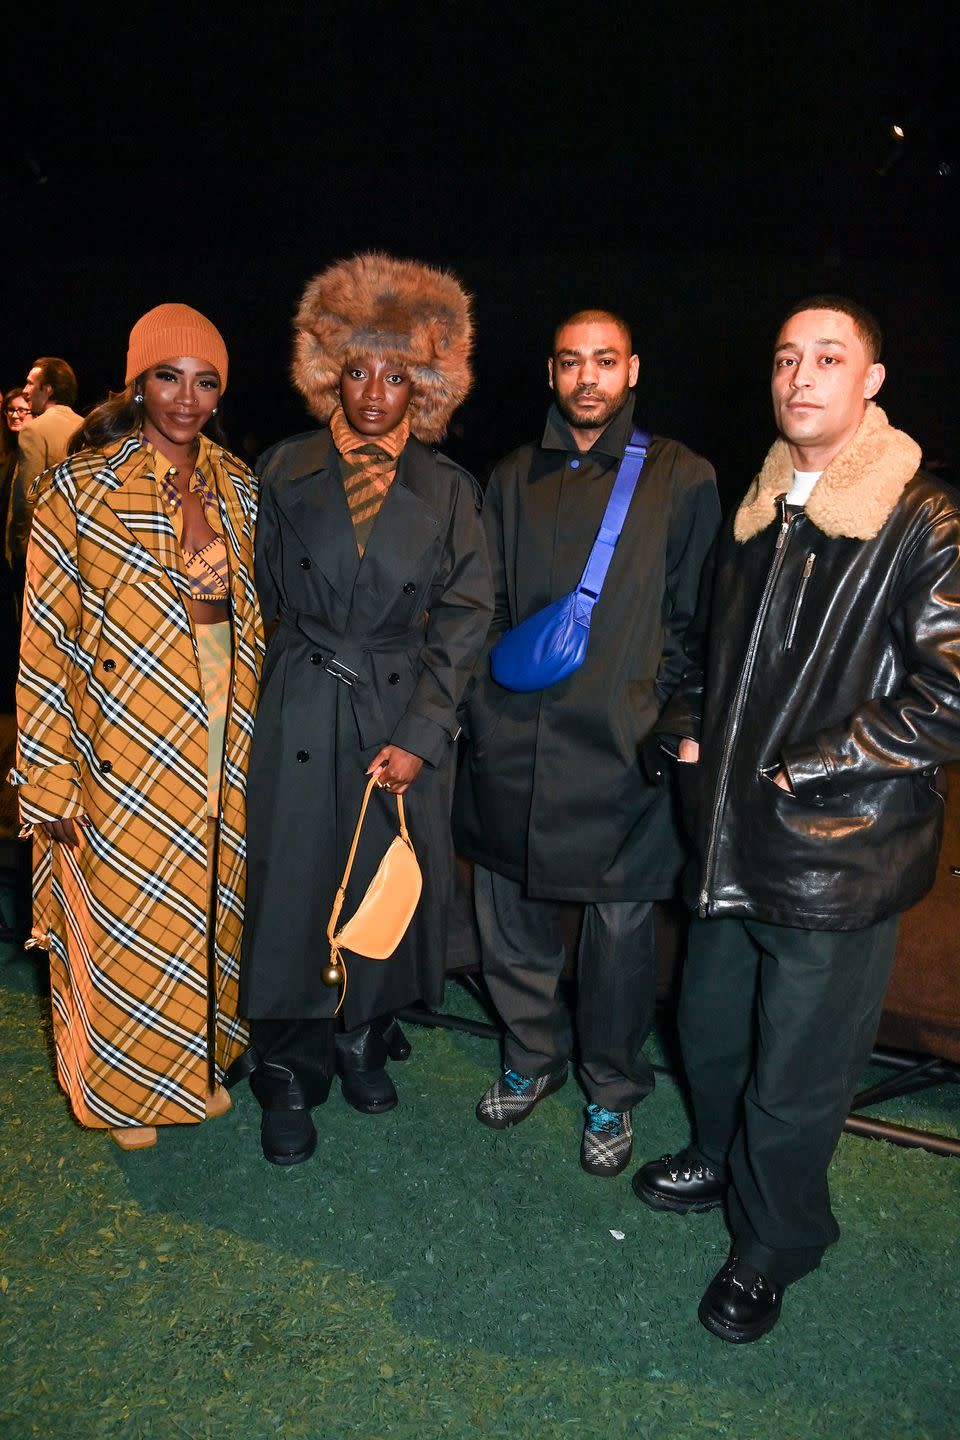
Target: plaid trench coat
x=113, y=727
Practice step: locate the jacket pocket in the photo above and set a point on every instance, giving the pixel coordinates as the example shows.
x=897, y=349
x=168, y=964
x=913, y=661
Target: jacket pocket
x=765, y=775
x=484, y=713
x=798, y=599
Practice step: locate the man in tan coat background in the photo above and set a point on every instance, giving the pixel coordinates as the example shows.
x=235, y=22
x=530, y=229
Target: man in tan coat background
x=50, y=389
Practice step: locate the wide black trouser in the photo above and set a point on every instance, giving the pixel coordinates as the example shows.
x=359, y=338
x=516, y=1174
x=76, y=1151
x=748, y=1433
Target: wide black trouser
x=776, y=1028
x=295, y=1062
x=297, y=1058
x=523, y=955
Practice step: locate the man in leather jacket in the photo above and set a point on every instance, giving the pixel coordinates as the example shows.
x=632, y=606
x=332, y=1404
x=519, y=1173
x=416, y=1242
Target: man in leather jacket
x=823, y=695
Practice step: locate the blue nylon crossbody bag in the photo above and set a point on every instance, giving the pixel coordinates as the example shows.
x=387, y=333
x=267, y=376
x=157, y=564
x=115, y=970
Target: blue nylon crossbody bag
x=550, y=644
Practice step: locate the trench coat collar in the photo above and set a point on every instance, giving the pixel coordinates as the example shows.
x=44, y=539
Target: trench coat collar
x=612, y=443
x=310, y=493
x=410, y=515
x=135, y=501
x=215, y=464
x=313, y=499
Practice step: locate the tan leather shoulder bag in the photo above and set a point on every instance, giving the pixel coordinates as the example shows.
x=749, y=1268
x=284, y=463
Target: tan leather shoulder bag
x=380, y=921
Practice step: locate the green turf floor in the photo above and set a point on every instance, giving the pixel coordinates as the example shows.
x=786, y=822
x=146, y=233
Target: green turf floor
x=424, y=1277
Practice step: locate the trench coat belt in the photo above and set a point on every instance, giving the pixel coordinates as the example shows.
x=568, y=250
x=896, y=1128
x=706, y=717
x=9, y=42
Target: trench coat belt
x=348, y=658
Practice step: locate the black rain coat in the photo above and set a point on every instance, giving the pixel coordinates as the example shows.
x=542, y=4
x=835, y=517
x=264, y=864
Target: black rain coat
x=408, y=619
x=553, y=791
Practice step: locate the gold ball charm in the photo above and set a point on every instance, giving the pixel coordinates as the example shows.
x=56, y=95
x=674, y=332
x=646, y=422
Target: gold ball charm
x=332, y=975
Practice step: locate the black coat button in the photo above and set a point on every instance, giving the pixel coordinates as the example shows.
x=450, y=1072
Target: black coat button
x=109, y=664
x=409, y=588
x=304, y=563
x=394, y=679
x=106, y=766
x=303, y=756
x=316, y=658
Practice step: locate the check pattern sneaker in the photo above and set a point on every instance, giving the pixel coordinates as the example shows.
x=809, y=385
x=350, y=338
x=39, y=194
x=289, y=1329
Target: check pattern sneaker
x=607, y=1141
x=511, y=1098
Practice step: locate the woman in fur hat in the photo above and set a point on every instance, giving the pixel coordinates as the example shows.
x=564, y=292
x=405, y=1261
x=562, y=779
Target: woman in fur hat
x=139, y=668
x=371, y=559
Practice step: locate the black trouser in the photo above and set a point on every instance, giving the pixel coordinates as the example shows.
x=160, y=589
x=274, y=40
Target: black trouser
x=523, y=956
x=295, y=1062
x=297, y=1059
x=776, y=1026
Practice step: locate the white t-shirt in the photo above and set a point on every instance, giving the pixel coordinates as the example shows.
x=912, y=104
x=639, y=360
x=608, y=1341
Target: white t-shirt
x=803, y=483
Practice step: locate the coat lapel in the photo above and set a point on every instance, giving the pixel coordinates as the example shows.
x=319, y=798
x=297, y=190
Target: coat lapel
x=135, y=502
x=407, y=525
x=232, y=514
x=313, y=500
x=408, y=520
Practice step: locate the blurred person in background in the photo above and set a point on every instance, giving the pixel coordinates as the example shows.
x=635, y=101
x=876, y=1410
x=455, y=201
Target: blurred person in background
x=16, y=415
x=50, y=390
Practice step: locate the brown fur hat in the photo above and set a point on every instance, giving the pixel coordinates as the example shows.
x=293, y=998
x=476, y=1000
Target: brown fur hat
x=396, y=310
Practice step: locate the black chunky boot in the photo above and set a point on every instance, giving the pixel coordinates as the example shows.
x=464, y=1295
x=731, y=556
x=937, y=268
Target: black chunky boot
x=361, y=1056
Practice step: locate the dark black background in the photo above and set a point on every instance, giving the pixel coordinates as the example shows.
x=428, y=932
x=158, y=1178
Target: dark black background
x=694, y=167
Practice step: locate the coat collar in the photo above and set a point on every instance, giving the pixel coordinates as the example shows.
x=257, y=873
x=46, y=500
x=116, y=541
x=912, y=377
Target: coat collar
x=611, y=443
x=856, y=492
x=230, y=479
x=132, y=495
x=308, y=488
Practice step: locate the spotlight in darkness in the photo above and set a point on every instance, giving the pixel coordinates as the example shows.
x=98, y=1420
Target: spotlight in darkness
x=896, y=139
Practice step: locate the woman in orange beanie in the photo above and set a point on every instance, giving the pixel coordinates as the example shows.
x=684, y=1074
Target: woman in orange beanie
x=140, y=661
x=371, y=557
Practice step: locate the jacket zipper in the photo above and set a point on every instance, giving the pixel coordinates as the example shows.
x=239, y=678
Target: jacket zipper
x=790, y=636
x=736, y=709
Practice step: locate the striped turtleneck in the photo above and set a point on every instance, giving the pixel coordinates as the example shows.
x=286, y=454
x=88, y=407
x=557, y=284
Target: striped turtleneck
x=369, y=465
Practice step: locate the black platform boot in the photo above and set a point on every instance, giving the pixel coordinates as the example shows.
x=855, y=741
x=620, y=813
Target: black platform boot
x=293, y=1071
x=361, y=1055
x=287, y=1132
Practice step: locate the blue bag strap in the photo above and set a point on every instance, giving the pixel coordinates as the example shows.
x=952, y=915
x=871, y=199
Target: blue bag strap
x=598, y=561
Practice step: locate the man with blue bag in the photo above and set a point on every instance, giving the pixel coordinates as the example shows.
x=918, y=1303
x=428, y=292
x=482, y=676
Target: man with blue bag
x=597, y=537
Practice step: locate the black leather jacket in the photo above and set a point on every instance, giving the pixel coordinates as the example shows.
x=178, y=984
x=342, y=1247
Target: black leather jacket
x=838, y=659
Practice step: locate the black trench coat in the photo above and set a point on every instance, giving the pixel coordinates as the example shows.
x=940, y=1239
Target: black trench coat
x=409, y=619
x=553, y=791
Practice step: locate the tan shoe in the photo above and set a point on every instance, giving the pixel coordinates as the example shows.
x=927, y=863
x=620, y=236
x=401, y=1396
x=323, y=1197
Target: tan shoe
x=134, y=1137
x=218, y=1102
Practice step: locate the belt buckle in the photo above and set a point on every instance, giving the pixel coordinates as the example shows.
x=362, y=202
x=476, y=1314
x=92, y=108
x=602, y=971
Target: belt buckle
x=340, y=671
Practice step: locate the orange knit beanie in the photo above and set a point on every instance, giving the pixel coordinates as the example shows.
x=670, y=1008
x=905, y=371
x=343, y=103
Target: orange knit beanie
x=170, y=331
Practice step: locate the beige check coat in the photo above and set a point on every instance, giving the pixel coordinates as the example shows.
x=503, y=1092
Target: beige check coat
x=113, y=727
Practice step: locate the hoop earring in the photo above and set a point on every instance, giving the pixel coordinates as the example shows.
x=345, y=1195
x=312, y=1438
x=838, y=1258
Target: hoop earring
x=138, y=399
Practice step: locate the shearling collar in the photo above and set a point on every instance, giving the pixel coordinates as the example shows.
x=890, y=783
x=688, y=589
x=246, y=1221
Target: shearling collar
x=854, y=495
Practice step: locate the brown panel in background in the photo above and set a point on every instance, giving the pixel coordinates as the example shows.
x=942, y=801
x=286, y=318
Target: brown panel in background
x=922, y=1007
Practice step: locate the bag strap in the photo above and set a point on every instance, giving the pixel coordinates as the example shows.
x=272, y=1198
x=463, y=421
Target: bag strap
x=598, y=561
x=338, y=901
